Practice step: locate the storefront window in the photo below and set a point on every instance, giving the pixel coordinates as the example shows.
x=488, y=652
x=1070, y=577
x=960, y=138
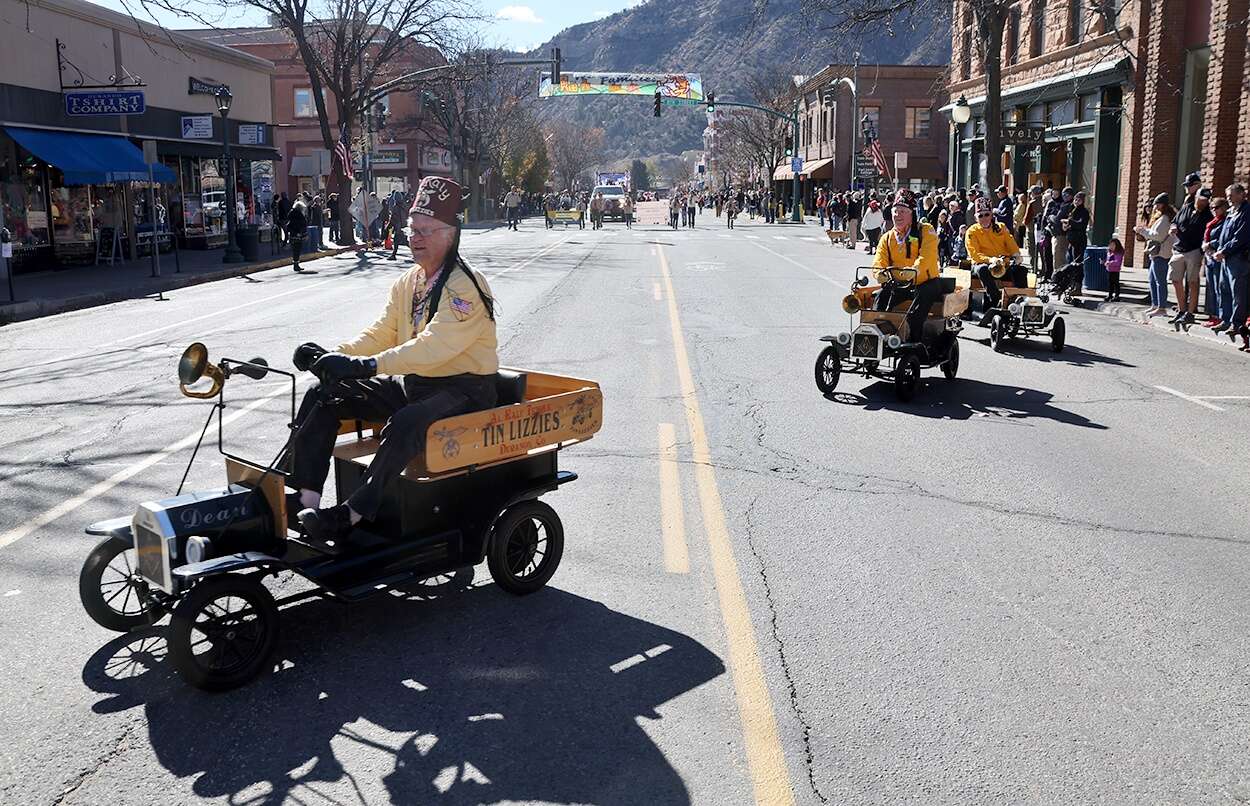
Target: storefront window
x=174, y=193
x=212, y=198
x=192, y=202
x=1061, y=113
x=262, y=192
x=22, y=193
x=71, y=215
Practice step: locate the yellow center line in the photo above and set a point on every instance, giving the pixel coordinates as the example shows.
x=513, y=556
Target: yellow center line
x=672, y=515
x=767, y=763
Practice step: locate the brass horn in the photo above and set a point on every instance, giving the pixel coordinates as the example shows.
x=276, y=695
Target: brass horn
x=998, y=269
x=194, y=365
x=850, y=304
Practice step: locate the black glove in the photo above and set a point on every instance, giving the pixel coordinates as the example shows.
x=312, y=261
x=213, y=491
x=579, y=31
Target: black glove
x=334, y=367
x=306, y=354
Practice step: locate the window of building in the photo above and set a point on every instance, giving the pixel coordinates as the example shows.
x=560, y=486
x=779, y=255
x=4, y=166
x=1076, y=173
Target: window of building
x=1193, y=111
x=304, y=107
x=1061, y=113
x=873, y=113
x=1076, y=21
x=1089, y=107
x=1037, y=28
x=965, y=62
x=916, y=123
x=1013, y=35
x=1035, y=113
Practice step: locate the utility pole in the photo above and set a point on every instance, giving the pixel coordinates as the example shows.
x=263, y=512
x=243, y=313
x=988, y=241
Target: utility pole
x=854, y=121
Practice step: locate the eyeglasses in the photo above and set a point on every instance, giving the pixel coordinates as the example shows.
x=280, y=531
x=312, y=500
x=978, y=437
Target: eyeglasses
x=985, y=215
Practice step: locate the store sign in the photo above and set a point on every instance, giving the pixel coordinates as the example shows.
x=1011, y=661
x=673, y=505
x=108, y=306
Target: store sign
x=80, y=104
x=197, y=127
x=251, y=134
x=1023, y=135
x=433, y=158
x=390, y=157
x=203, y=86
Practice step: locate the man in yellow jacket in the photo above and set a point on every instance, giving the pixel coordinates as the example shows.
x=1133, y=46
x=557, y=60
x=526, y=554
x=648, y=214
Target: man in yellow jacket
x=910, y=244
x=989, y=243
x=431, y=354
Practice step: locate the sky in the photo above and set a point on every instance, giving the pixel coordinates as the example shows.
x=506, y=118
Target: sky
x=517, y=24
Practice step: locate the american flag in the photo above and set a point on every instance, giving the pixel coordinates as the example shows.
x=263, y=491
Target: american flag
x=343, y=153
x=878, y=159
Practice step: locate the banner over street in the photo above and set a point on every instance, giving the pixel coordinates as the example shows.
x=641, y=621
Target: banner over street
x=688, y=86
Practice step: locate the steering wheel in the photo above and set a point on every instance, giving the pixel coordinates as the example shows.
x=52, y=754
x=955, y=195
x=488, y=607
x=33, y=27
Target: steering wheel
x=897, y=276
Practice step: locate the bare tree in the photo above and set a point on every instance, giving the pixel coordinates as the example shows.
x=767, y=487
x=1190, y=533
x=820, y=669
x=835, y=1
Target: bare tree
x=572, y=150
x=758, y=137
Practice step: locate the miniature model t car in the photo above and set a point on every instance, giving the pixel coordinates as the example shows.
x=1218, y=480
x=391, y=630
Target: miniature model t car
x=202, y=556
x=1021, y=311
x=874, y=348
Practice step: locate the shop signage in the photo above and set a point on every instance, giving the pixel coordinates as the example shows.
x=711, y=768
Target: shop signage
x=203, y=86
x=796, y=165
x=1023, y=135
x=197, y=127
x=78, y=104
x=433, y=158
x=868, y=172
x=390, y=157
x=251, y=134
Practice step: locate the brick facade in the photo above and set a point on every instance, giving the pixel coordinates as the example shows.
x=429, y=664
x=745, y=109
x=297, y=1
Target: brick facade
x=1224, y=91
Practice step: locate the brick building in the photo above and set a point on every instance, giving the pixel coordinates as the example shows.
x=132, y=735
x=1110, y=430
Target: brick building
x=1131, y=97
x=401, y=154
x=902, y=103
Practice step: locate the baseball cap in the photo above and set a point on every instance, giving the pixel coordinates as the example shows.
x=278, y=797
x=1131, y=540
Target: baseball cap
x=1192, y=179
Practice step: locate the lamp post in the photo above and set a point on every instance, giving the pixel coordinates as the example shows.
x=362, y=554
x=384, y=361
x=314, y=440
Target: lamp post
x=223, y=97
x=961, y=112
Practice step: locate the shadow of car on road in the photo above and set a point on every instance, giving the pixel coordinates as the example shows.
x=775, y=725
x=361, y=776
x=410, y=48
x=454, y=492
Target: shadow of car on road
x=477, y=697
x=1038, y=348
x=963, y=399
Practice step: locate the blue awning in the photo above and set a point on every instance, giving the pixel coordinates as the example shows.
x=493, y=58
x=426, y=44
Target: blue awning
x=89, y=159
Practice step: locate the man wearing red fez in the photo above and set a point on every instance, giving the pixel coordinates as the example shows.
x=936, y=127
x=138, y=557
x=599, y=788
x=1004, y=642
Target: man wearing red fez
x=431, y=354
x=910, y=244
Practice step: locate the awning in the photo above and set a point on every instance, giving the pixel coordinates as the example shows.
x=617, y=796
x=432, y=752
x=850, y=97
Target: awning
x=305, y=165
x=783, y=173
x=824, y=166
x=89, y=159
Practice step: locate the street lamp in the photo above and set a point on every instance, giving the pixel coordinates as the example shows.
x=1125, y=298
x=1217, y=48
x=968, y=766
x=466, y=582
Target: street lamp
x=223, y=98
x=961, y=112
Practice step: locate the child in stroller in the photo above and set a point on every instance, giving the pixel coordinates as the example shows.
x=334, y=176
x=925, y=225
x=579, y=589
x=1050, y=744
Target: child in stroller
x=1064, y=281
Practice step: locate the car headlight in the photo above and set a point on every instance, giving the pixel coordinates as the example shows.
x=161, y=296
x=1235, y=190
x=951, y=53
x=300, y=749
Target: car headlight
x=198, y=549
x=1050, y=309
x=844, y=339
x=1015, y=308
x=894, y=342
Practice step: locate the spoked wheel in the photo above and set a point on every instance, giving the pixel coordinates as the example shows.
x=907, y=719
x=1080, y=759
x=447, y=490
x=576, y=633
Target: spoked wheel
x=111, y=590
x=1058, y=333
x=525, y=547
x=222, y=634
x=907, y=377
x=828, y=369
x=998, y=334
x=441, y=584
x=950, y=367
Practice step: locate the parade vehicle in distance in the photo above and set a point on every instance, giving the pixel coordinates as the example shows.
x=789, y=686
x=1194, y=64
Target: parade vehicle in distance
x=202, y=556
x=1022, y=311
x=874, y=349
x=613, y=195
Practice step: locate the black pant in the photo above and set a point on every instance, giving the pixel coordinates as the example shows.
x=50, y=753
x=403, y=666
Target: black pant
x=408, y=407
x=1046, y=249
x=1113, y=285
x=1018, y=275
x=297, y=246
x=922, y=298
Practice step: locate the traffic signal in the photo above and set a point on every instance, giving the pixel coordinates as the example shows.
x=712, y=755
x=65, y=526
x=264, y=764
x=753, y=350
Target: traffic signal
x=555, y=66
x=657, y=103
x=789, y=152
x=711, y=102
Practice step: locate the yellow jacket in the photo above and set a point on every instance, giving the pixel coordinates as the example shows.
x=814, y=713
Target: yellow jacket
x=923, y=256
x=984, y=243
x=459, y=339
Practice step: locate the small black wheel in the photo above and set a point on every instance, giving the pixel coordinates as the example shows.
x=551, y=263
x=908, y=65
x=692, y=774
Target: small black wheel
x=1058, y=332
x=1014, y=329
x=111, y=590
x=828, y=370
x=998, y=334
x=525, y=547
x=906, y=377
x=223, y=632
x=950, y=367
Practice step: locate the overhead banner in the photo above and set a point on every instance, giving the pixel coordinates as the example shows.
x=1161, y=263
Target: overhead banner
x=688, y=86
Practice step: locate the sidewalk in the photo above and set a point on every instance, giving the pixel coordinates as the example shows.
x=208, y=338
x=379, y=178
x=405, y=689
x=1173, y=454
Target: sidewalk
x=52, y=292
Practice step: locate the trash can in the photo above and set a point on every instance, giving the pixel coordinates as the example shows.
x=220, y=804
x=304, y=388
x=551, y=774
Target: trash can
x=248, y=239
x=1096, y=268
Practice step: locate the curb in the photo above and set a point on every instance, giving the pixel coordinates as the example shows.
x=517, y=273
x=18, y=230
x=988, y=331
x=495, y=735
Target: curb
x=39, y=308
x=1137, y=313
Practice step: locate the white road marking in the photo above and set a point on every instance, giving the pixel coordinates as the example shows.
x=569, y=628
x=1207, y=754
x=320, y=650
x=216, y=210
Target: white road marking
x=1223, y=397
x=804, y=268
x=1190, y=398
x=655, y=290
x=100, y=488
x=754, y=237
x=780, y=238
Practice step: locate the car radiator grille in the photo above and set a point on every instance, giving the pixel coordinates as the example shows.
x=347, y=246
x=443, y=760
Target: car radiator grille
x=864, y=345
x=150, y=547
x=1032, y=314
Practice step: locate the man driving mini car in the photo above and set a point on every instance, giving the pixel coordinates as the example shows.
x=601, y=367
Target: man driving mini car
x=911, y=244
x=990, y=243
x=431, y=354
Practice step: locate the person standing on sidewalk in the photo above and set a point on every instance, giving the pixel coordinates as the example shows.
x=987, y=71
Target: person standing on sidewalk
x=1114, y=264
x=1059, y=211
x=1158, y=237
x=1233, y=252
x=1032, y=212
x=333, y=205
x=854, y=212
x=1005, y=209
x=512, y=205
x=627, y=210
x=296, y=228
x=1215, y=285
x=873, y=223
x=1185, y=264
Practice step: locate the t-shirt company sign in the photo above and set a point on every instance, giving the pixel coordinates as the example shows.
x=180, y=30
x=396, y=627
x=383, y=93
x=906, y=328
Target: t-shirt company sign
x=81, y=104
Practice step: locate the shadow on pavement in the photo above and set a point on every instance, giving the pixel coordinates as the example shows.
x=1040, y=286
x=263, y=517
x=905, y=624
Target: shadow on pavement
x=1038, y=349
x=963, y=399
x=476, y=697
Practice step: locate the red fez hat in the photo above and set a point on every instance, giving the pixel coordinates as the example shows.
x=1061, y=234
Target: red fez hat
x=440, y=198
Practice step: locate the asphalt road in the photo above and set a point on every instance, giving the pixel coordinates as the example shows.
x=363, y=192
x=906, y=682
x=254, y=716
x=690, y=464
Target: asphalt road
x=1026, y=586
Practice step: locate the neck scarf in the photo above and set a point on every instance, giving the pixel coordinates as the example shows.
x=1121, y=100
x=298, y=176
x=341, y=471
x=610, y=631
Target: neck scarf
x=421, y=298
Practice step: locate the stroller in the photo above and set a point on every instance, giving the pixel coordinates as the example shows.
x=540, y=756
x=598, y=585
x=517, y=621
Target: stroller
x=1063, y=284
